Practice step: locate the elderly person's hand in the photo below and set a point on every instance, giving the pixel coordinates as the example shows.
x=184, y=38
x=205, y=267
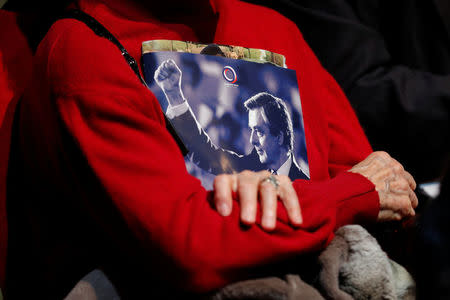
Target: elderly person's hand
x=394, y=185
x=252, y=187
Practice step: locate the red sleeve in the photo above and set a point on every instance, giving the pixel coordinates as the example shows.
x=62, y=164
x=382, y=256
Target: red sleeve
x=344, y=143
x=120, y=130
x=348, y=145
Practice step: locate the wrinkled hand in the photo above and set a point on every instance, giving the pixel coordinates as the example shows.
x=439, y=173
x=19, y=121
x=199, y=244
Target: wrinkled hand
x=168, y=78
x=252, y=187
x=394, y=185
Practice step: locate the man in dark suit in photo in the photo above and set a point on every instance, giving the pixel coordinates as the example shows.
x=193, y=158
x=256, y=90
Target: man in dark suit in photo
x=271, y=128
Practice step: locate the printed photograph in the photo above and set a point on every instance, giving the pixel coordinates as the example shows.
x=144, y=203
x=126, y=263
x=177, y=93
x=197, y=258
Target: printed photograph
x=232, y=115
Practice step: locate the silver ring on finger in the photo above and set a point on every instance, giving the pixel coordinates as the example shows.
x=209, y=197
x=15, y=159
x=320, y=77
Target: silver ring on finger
x=272, y=179
x=387, y=186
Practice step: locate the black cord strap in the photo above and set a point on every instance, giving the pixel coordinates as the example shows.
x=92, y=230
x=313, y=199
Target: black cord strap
x=101, y=31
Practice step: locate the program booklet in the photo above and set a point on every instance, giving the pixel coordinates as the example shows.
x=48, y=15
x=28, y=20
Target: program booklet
x=234, y=108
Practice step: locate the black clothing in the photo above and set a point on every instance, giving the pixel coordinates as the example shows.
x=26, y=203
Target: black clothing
x=433, y=279
x=392, y=58
x=295, y=172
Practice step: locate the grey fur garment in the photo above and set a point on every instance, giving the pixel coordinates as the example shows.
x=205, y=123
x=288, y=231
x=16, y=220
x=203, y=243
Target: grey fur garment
x=355, y=267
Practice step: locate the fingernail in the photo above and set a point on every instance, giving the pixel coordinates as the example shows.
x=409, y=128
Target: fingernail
x=268, y=222
x=234, y=187
x=247, y=217
x=224, y=209
x=298, y=219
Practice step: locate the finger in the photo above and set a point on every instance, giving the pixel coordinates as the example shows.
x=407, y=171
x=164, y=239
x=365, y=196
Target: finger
x=160, y=75
x=268, y=196
x=289, y=198
x=247, y=188
x=399, y=169
x=223, y=194
x=408, y=210
x=399, y=203
x=171, y=65
x=405, y=206
x=388, y=215
x=156, y=74
x=399, y=186
x=380, y=178
x=414, y=199
x=158, y=70
x=400, y=189
x=163, y=73
x=410, y=179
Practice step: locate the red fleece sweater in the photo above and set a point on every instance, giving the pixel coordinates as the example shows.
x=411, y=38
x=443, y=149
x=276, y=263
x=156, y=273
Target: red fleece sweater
x=86, y=105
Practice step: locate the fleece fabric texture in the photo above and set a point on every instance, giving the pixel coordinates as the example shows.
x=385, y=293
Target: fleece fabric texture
x=104, y=173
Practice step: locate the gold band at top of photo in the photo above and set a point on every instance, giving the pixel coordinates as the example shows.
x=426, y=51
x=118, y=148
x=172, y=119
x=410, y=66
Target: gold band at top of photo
x=234, y=52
